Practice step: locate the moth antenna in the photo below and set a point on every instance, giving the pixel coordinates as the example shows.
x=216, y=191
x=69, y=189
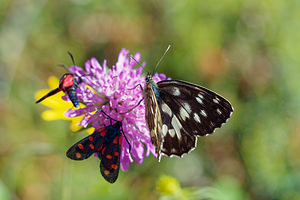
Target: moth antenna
x=64, y=66
x=72, y=58
x=161, y=58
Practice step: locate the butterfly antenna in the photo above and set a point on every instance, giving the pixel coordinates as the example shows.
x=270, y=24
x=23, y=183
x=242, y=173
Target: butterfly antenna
x=72, y=58
x=135, y=61
x=161, y=58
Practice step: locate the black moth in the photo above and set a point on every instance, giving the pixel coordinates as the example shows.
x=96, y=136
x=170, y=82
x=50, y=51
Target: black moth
x=177, y=112
x=106, y=143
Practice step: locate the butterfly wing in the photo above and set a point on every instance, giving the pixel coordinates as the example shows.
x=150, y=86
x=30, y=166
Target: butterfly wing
x=175, y=140
x=153, y=118
x=52, y=92
x=188, y=110
x=87, y=146
x=110, y=158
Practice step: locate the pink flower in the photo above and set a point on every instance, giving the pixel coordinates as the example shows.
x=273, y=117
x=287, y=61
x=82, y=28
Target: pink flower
x=115, y=91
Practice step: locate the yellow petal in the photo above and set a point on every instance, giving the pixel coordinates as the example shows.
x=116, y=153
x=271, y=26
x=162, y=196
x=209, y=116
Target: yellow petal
x=53, y=82
x=90, y=130
x=50, y=115
x=168, y=185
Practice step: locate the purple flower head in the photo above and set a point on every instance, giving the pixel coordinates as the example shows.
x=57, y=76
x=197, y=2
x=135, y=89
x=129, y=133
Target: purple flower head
x=115, y=91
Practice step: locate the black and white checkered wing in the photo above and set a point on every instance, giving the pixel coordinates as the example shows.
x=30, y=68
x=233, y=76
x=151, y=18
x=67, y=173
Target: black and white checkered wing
x=188, y=110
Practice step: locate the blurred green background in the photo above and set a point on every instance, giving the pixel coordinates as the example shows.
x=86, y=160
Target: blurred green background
x=246, y=50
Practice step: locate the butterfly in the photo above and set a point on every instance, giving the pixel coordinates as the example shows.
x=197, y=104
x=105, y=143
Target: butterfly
x=106, y=142
x=68, y=84
x=178, y=111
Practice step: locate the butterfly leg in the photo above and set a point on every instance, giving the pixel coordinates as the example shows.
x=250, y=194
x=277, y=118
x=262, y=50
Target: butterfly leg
x=107, y=115
x=136, y=87
x=126, y=139
x=134, y=106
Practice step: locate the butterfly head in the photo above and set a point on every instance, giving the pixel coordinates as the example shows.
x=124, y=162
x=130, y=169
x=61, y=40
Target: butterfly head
x=118, y=124
x=148, y=77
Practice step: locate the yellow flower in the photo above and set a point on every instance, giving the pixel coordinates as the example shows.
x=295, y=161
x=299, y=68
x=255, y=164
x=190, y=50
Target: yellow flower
x=168, y=185
x=58, y=106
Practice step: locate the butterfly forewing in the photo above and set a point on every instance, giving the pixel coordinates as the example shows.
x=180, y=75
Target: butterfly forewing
x=88, y=145
x=198, y=109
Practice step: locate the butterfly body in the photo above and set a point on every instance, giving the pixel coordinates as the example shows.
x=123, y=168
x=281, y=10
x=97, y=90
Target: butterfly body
x=151, y=96
x=106, y=143
x=68, y=84
x=178, y=111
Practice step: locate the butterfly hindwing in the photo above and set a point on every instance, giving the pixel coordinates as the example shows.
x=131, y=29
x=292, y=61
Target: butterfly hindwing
x=175, y=140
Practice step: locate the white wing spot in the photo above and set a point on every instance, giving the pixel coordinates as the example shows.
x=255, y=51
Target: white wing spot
x=177, y=126
x=173, y=150
x=164, y=130
x=199, y=100
x=166, y=109
x=184, y=114
x=219, y=111
x=200, y=96
x=197, y=118
x=176, y=91
x=216, y=101
x=203, y=113
x=187, y=107
x=172, y=132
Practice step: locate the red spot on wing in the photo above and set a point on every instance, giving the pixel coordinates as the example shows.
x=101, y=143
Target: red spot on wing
x=115, y=140
x=78, y=155
x=114, y=166
x=116, y=153
x=106, y=172
x=108, y=156
x=92, y=146
x=103, y=133
x=101, y=129
x=120, y=140
x=80, y=146
x=103, y=150
x=91, y=138
x=99, y=149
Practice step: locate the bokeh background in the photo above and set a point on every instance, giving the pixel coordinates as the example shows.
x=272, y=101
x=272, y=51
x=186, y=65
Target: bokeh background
x=246, y=50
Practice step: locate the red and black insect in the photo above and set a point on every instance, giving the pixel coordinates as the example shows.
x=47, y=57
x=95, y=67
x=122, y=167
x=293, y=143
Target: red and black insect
x=106, y=142
x=68, y=84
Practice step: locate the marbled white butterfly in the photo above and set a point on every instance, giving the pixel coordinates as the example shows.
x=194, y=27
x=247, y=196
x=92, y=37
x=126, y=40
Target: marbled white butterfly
x=177, y=112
